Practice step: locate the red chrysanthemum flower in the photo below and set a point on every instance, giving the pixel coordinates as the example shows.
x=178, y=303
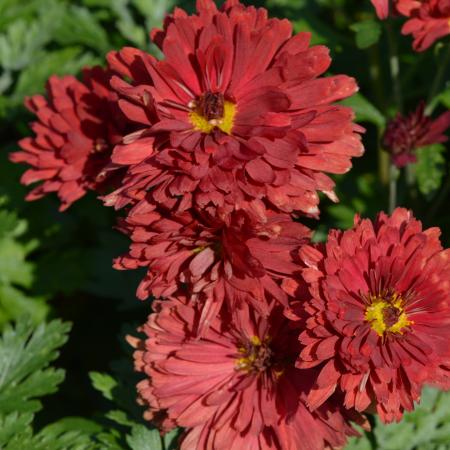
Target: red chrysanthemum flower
x=378, y=322
x=429, y=20
x=236, y=387
x=77, y=126
x=212, y=257
x=236, y=116
x=404, y=135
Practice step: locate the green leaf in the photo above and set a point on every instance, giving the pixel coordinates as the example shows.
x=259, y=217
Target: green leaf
x=12, y=425
x=10, y=225
x=342, y=214
x=368, y=33
x=61, y=62
x=126, y=24
x=155, y=11
x=109, y=440
x=12, y=10
x=6, y=81
x=104, y=383
x=25, y=38
x=425, y=428
x=364, y=110
x=13, y=267
x=142, y=438
x=75, y=423
x=55, y=436
x=171, y=439
x=25, y=353
x=66, y=434
x=361, y=443
x=16, y=272
x=79, y=26
x=444, y=98
x=20, y=44
x=430, y=168
x=120, y=417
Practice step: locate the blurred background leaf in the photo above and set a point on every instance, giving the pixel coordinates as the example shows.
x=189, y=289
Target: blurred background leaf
x=426, y=428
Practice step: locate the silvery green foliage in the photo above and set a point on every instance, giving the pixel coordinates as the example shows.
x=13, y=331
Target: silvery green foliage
x=426, y=428
x=16, y=272
x=25, y=376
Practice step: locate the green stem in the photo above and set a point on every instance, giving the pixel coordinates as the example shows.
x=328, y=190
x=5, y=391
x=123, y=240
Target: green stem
x=378, y=89
x=394, y=65
x=393, y=176
x=370, y=434
x=437, y=82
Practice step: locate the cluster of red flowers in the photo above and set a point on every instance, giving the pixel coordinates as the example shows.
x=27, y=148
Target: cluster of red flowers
x=428, y=20
x=259, y=338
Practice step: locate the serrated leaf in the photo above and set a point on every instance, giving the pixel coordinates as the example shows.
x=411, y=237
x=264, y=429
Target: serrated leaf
x=120, y=417
x=13, y=265
x=67, y=434
x=425, y=428
x=61, y=62
x=444, y=98
x=430, y=168
x=12, y=425
x=15, y=303
x=11, y=225
x=80, y=26
x=11, y=10
x=40, y=383
x=155, y=11
x=51, y=437
x=368, y=33
x=364, y=110
x=109, y=440
x=25, y=353
x=142, y=438
x=126, y=24
x=20, y=44
x=361, y=443
x=16, y=272
x=6, y=81
x=104, y=383
x=171, y=439
x=75, y=423
x=26, y=37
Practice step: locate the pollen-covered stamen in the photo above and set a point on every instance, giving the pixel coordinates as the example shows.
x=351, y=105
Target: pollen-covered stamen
x=257, y=355
x=386, y=314
x=391, y=315
x=212, y=111
x=100, y=145
x=212, y=106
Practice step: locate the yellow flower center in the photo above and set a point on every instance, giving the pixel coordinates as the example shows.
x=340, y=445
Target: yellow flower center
x=212, y=111
x=387, y=315
x=257, y=355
